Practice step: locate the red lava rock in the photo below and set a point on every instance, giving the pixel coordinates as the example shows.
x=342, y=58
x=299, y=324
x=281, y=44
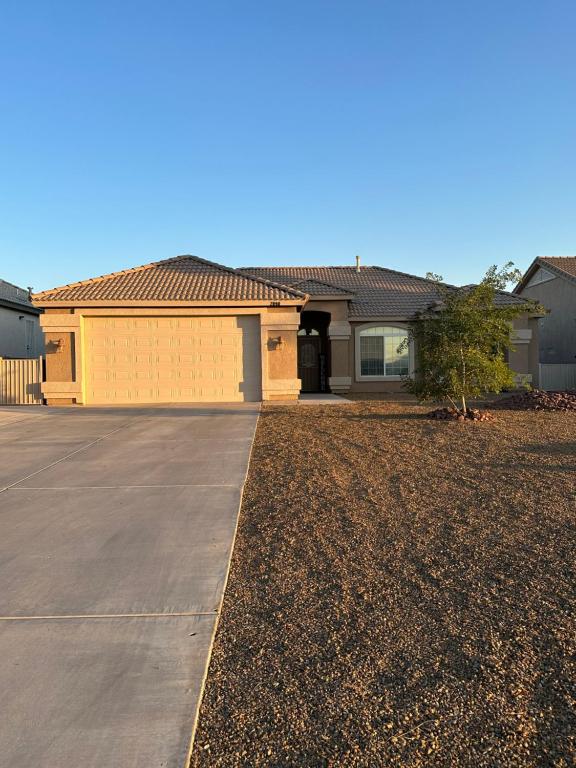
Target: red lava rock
x=539, y=400
x=472, y=414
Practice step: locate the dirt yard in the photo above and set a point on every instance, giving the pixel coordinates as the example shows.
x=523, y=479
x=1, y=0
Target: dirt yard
x=402, y=593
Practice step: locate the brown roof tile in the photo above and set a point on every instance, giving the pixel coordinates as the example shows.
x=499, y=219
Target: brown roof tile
x=318, y=288
x=377, y=291
x=183, y=278
x=565, y=264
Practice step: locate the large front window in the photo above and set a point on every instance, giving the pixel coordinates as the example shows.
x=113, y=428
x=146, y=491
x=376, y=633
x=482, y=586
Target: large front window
x=384, y=351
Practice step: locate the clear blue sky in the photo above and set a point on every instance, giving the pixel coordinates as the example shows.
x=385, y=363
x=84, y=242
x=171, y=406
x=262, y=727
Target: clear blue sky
x=422, y=135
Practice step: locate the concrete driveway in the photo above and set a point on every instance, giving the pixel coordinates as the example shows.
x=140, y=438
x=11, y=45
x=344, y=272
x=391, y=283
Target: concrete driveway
x=116, y=529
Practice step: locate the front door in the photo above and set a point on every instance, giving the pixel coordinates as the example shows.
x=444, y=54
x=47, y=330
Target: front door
x=309, y=362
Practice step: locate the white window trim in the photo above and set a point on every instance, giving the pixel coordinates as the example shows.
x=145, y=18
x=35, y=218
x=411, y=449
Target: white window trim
x=381, y=324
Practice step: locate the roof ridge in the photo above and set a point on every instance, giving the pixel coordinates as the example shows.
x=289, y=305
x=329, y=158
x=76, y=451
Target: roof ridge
x=307, y=266
x=323, y=282
x=232, y=271
x=12, y=285
x=362, y=269
x=417, y=277
x=150, y=265
x=107, y=276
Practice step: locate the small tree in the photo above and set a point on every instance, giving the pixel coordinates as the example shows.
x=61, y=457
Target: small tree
x=461, y=341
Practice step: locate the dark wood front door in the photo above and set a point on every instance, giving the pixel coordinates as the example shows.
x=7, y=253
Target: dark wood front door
x=309, y=362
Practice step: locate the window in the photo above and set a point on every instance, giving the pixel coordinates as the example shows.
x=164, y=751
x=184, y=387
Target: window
x=379, y=351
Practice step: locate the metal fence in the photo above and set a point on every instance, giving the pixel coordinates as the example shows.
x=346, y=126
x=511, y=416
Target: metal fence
x=557, y=376
x=20, y=381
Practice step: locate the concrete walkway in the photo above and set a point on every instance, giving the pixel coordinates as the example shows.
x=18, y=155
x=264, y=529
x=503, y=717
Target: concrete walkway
x=116, y=529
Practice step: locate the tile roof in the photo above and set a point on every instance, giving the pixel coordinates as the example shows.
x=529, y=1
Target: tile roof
x=318, y=288
x=377, y=291
x=182, y=278
x=565, y=264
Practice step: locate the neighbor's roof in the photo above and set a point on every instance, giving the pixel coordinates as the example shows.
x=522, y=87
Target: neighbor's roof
x=13, y=295
x=376, y=291
x=564, y=266
x=180, y=279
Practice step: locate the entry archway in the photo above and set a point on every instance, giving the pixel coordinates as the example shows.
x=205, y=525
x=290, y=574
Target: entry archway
x=314, y=351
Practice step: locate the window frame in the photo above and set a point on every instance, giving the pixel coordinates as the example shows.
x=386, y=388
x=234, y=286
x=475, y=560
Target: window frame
x=381, y=324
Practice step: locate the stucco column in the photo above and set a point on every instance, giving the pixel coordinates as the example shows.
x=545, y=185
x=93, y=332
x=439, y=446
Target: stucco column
x=279, y=340
x=63, y=385
x=339, y=333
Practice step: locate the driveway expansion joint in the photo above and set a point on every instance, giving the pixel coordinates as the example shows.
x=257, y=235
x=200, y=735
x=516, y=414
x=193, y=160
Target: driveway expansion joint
x=68, y=455
x=112, y=487
x=58, y=617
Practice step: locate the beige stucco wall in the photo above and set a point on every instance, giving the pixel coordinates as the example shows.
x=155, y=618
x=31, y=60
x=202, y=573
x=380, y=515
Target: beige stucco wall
x=280, y=353
x=279, y=327
x=338, y=309
x=63, y=332
x=523, y=358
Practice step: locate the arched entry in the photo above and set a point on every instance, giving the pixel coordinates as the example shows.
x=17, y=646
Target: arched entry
x=313, y=351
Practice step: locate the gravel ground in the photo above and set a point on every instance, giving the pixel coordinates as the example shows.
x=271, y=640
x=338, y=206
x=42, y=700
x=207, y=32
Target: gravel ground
x=402, y=593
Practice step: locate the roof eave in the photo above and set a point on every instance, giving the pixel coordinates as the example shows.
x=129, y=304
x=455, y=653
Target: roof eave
x=377, y=318
x=527, y=275
x=77, y=303
x=17, y=307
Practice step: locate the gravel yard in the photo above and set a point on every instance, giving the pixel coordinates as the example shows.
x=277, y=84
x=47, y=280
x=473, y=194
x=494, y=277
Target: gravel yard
x=402, y=593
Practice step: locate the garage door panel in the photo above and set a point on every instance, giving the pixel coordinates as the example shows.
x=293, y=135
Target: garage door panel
x=172, y=359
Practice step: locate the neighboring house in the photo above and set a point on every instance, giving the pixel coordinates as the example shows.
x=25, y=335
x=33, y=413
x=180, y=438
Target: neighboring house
x=551, y=280
x=20, y=332
x=186, y=330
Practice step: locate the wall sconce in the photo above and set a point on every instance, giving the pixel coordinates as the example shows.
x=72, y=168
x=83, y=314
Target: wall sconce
x=56, y=345
x=278, y=342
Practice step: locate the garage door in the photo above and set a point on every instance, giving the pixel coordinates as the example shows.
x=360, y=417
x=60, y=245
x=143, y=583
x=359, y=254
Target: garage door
x=171, y=359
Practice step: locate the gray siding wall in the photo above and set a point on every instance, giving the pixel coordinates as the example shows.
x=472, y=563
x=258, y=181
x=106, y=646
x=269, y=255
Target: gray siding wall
x=558, y=328
x=13, y=338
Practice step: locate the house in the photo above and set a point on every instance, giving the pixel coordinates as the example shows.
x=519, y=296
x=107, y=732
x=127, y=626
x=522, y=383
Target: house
x=186, y=330
x=551, y=280
x=20, y=332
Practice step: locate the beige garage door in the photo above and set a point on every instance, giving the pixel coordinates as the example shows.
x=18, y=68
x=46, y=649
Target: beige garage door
x=172, y=359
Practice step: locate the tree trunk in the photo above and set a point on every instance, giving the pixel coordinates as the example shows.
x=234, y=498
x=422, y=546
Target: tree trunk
x=463, y=381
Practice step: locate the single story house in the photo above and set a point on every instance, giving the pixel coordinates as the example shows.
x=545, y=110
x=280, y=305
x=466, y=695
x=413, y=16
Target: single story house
x=20, y=332
x=551, y=280
x=188, y=330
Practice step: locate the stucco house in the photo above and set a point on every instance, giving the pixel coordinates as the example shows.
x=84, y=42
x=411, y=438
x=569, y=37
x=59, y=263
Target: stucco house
x=20, y=332
x=187, y=330
x=551, y=280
